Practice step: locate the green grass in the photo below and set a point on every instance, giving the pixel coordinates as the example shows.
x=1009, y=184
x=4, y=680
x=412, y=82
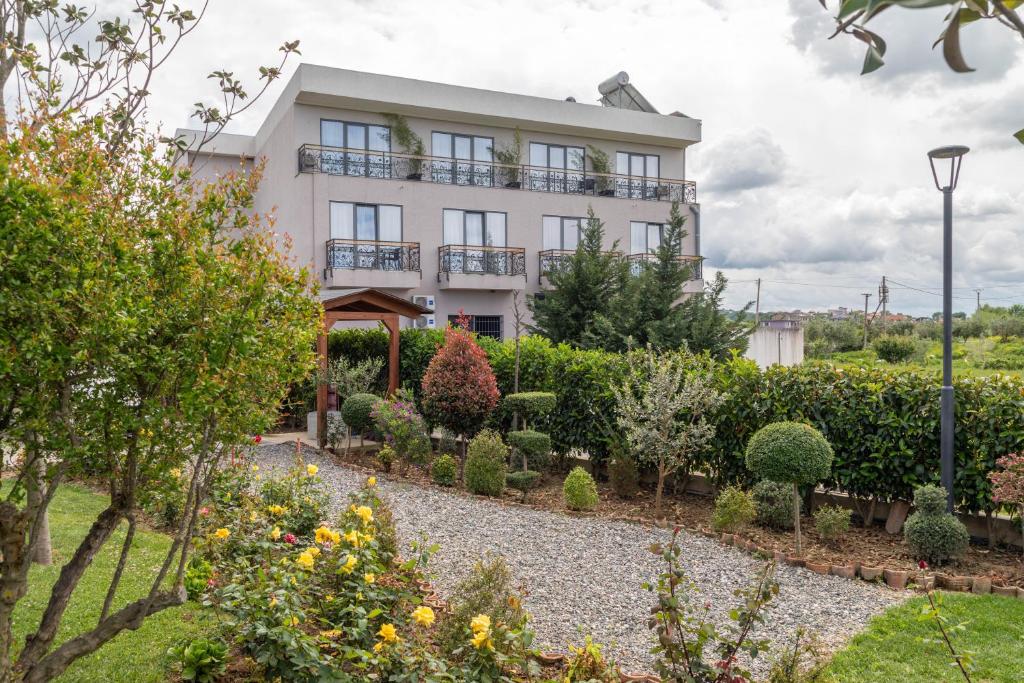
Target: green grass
x=135, y=656
x=892, y=648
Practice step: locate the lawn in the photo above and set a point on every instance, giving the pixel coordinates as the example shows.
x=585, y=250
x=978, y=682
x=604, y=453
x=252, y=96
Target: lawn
x=134, y=655
x=893, y=648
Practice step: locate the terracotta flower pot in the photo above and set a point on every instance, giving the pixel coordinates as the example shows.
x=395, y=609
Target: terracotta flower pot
x=952, y=583
x=778, y=556
x=752, y=546
x=1006, y=591
x=925, y=582
x=981, y=585
x=819, y=567
x=727, y=539
x=644, y=678
x=896, y=578
x=847, y=571
x=870, y=573
x=794, y=561
x=548, y=658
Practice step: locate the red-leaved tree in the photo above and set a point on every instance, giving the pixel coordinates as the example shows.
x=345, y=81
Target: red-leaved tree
x=459, y=388
x=1008, y=483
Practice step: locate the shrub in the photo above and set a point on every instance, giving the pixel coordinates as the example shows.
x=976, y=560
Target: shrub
x=532, y=447
x=445, y=471
x=447, y=443
x=300, y=495
x=403, y=428
x=734, y=509
x=489, y=589
x=197, y=577
x=530, y=404
x=579, y=490
x=587, y=664
x=201, y=660
x=774, y=504
x=623, y=475
x=894, y=348
x=386, y=456
x=932, y=533
x=357, y=410
x=831, y=522
x=1008, y=483
x=484, y=471
x=522, y=480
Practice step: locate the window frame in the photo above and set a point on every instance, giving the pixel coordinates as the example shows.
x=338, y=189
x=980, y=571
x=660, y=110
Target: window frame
x=484, y=213
x=647, y=244
x=561, y=230
x=376, y=220
x=367, y=153
x=453, y=320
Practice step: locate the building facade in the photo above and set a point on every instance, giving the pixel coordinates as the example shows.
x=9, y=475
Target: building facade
x=458, y=224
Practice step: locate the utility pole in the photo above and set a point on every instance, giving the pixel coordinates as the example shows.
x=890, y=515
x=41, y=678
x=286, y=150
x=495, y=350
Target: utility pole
x=883, y=297
x=978, y=292
x=757, y=306
x=867, y=295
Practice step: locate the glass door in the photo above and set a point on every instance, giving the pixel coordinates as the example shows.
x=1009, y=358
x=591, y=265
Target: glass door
x=474, y=226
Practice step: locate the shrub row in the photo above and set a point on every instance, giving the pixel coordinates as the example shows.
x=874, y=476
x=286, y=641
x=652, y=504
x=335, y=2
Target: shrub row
x=882, y=423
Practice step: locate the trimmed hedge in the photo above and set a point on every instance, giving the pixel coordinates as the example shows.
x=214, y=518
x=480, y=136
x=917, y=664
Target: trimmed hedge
x=883, y=423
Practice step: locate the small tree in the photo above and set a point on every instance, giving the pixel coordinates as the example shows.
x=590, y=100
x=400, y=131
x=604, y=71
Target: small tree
x=790, y=453
x=1008, y=484
x=663, y=411
x=459, y=387
x=529, y=443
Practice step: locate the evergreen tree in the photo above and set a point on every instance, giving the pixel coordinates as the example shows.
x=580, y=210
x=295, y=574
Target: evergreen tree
x=706, y=328
x=583, y=292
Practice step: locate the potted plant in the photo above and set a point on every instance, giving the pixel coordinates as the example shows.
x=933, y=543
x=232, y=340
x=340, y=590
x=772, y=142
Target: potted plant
x=510, y=158
x=601, y=165
x=410, y=142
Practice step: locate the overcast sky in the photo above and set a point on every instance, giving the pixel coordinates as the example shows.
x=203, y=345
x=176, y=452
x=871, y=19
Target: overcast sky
x=808, y=172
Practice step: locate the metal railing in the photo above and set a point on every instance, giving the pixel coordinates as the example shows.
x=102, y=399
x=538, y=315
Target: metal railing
x=446, y=171
x=550, y=259
x=637, y=261
x=348, y=254
x=471, y=259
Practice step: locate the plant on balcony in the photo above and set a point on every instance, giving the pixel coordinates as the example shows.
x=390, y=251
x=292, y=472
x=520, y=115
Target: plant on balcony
x=410, y=142
x=601, y=165
x=510, y=157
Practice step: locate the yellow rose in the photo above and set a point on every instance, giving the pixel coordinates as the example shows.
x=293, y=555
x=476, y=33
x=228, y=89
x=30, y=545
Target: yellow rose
x=295, y=621
x=423, y=615
x=350, y=565
x=275, y=533
x=364, y=513
x=222, y=533
x=305, y=560
x=372, y=481
x=276, y=510
x=378, y=646
x=273, y=601
x=176, y=473
x=330, y=635
x=369, y=577
x=482, y=640
x=311, y=470
x=480, y=622
x=313, y=550
x=388, y=633
x=352, y=537
x=325, y=535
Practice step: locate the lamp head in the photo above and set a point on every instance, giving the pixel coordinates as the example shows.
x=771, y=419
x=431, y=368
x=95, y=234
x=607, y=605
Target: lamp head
x=954, y=154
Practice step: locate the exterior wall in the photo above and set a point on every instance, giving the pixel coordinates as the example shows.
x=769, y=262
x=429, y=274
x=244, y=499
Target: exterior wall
x=774, y=346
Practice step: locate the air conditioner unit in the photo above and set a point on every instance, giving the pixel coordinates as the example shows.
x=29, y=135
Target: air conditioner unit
x=425, y=300
x=427, y=321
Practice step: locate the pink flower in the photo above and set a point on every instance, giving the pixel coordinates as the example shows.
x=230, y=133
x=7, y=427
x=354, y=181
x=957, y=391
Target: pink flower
x=256, y=439
x=922, y=565
x=211, y=582
x=290, y=539
x=205, y=511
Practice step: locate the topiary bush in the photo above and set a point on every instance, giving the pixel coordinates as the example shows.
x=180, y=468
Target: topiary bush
x=484, y=471
x=579, y=490
x=831, y=522
x=792, y=453
x=522, y=480
x=357, y=411
x=534, y=448
x=734, y=509
x=774, y=504
x=932, y=533
x=894, y=348
x=530, y=404
x=445, y=471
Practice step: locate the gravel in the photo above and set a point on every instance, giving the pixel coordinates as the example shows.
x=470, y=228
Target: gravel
x=585, y=575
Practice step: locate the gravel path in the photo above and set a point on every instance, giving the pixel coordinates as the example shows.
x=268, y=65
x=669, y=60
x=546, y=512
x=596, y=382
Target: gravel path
x=585, y=574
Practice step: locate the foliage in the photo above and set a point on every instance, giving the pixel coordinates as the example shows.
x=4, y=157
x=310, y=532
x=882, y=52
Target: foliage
x=533, y=447
x=352, y=377
x=522, y=480
x=510, y=156
x=579, y=490
x=484, y=471
x=707, y=328
x=894, y=348
x=685, y=631
x=831, y=522
x=489, y=590
x=459, y=388
x=587, y=664
x=824, y=337
x=357, y=411
x=201, y=660
x=623, y=474
x=601, y=165
x=1008, y=483
x=530, y=404
x=386, y=456
x=790, y=452
x=734, y=509
x=806, y=661
x=774, y=504
x=578, y=305
x=197, y=577
x=932, y=533
x=300, y=494
x=444, y=470
x=403, y=428
x=408, y=140
x=663, y=411
x=963, y=660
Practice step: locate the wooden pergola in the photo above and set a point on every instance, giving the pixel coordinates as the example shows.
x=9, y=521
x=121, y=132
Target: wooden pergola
x=362, y=304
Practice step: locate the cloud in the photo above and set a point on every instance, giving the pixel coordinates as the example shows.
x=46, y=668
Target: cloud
x=742, y=161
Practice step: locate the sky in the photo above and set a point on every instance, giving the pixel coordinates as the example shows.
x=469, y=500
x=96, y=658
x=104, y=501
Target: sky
x=810, y=176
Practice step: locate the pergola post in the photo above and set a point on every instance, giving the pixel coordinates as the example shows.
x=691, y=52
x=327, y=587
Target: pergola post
x=321, y=387
x=391, y=322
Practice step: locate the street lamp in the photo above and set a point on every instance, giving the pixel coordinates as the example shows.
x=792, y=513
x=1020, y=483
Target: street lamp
x=954, y=154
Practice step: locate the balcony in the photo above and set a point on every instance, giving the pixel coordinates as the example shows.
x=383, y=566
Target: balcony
x=549, y=259
x=467, y=266
x=371, y=263
x=637, y=261
x=445, y=171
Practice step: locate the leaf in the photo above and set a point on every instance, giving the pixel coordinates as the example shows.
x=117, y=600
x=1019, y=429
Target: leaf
x=1020, y=136
x=951, y=47
x=876, y=49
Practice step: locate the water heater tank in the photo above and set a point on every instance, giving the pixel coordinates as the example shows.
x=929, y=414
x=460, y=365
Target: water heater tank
x=610, y=85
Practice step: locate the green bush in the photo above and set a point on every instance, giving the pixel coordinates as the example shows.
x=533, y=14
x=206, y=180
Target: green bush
x=932, y=533
x=533, y=448
x=774, y=504
x=356, y=411
x=734, y=509
x=530, y=404
x=447, y=443
x=579, y=490
x=790, y=452
x=201, y=660
x=623, y=475
x=444, y=471
x=894, y=349
x=386, y=456
x=489, y=589
x=831, y=522
x=522, y=480
x=484, y=471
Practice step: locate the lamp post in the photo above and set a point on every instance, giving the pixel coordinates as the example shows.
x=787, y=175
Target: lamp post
x=954, y=155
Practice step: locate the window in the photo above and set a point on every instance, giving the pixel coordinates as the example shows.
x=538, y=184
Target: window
x=643, y=171
x=645, y=238
x=365, y=236
x=471, y=157
x=356, y=136
x=566, y=168
x=561, y=232
x=476, y=228
x=483, y=325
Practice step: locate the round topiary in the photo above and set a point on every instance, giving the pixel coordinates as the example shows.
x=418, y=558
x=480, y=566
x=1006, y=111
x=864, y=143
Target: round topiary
x=930, y=499
x=579, y=490
x=790, y=452
x=444, y=471
x=356, y=409
x=533, y=447
x=522, y=480
x=935, y=538
x=774, y=504
x=484, y=471
x=531, y=404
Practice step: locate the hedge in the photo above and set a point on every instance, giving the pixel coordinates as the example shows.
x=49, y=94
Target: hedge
x=883, y=423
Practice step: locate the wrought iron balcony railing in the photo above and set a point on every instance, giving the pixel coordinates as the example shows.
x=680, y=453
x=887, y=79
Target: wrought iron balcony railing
x=373, y=255
x=446, y=171
x=637, y=261
x=550, y=259
x=471, y=259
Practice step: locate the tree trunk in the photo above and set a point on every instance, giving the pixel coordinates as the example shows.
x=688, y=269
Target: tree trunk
x=658, y=491
x=796, y=518
x=43, y=553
